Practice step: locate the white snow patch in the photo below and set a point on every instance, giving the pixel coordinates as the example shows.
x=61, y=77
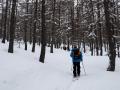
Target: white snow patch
x=23, y=71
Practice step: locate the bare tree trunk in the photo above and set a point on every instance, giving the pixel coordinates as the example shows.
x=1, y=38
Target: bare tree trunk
x=101, y=41
x=12, y=27
x=2, y=20
x=26, y=26
x=31, y=31
x=117, y=11
x=8, y=20
x=53, y=27
x=92, y=47
x=99, y=29
x=72, y=22
x=68, y=33
x=35, y=23
x=112, y=51
x=92, y=27
x=84, y=49
x=43, y=34
x=5, y=22
x=96, y=45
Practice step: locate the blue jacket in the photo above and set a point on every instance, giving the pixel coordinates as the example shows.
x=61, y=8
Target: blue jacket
x=76, y=58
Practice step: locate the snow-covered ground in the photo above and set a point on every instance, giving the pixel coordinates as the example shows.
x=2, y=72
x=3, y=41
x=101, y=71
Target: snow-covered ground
x=23, y=71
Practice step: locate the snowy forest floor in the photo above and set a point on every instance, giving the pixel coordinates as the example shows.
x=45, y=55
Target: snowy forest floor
x=23, y=71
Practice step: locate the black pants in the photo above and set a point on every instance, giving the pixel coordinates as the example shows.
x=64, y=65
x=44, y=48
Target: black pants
x=76, y=68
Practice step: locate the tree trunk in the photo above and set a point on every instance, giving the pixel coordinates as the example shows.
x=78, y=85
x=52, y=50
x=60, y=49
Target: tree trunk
x=99, y=28
x=112, y=51
x=5, y=22
x=12, y=27
x=35, y=22
x=25, y=26
x=72, y=23
x=30, y=31
x=101, y=42
x=43, y=34
x=92, y=48
x=84, y=49
x=53, y=27
x=2, y=20
x=8, y=20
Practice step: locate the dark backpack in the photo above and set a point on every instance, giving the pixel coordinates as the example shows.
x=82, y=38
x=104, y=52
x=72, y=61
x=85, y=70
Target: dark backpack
x=76, y=52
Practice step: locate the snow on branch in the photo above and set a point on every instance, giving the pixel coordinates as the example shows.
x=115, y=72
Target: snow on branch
x=92, y=34
x=117, y=37
x=113, y=15
x=26, y=15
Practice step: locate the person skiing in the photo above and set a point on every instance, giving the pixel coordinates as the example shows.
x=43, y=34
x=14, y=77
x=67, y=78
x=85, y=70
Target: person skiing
x=76, y=56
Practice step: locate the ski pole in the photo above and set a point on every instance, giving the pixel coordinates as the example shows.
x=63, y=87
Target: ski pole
x=83, y=68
